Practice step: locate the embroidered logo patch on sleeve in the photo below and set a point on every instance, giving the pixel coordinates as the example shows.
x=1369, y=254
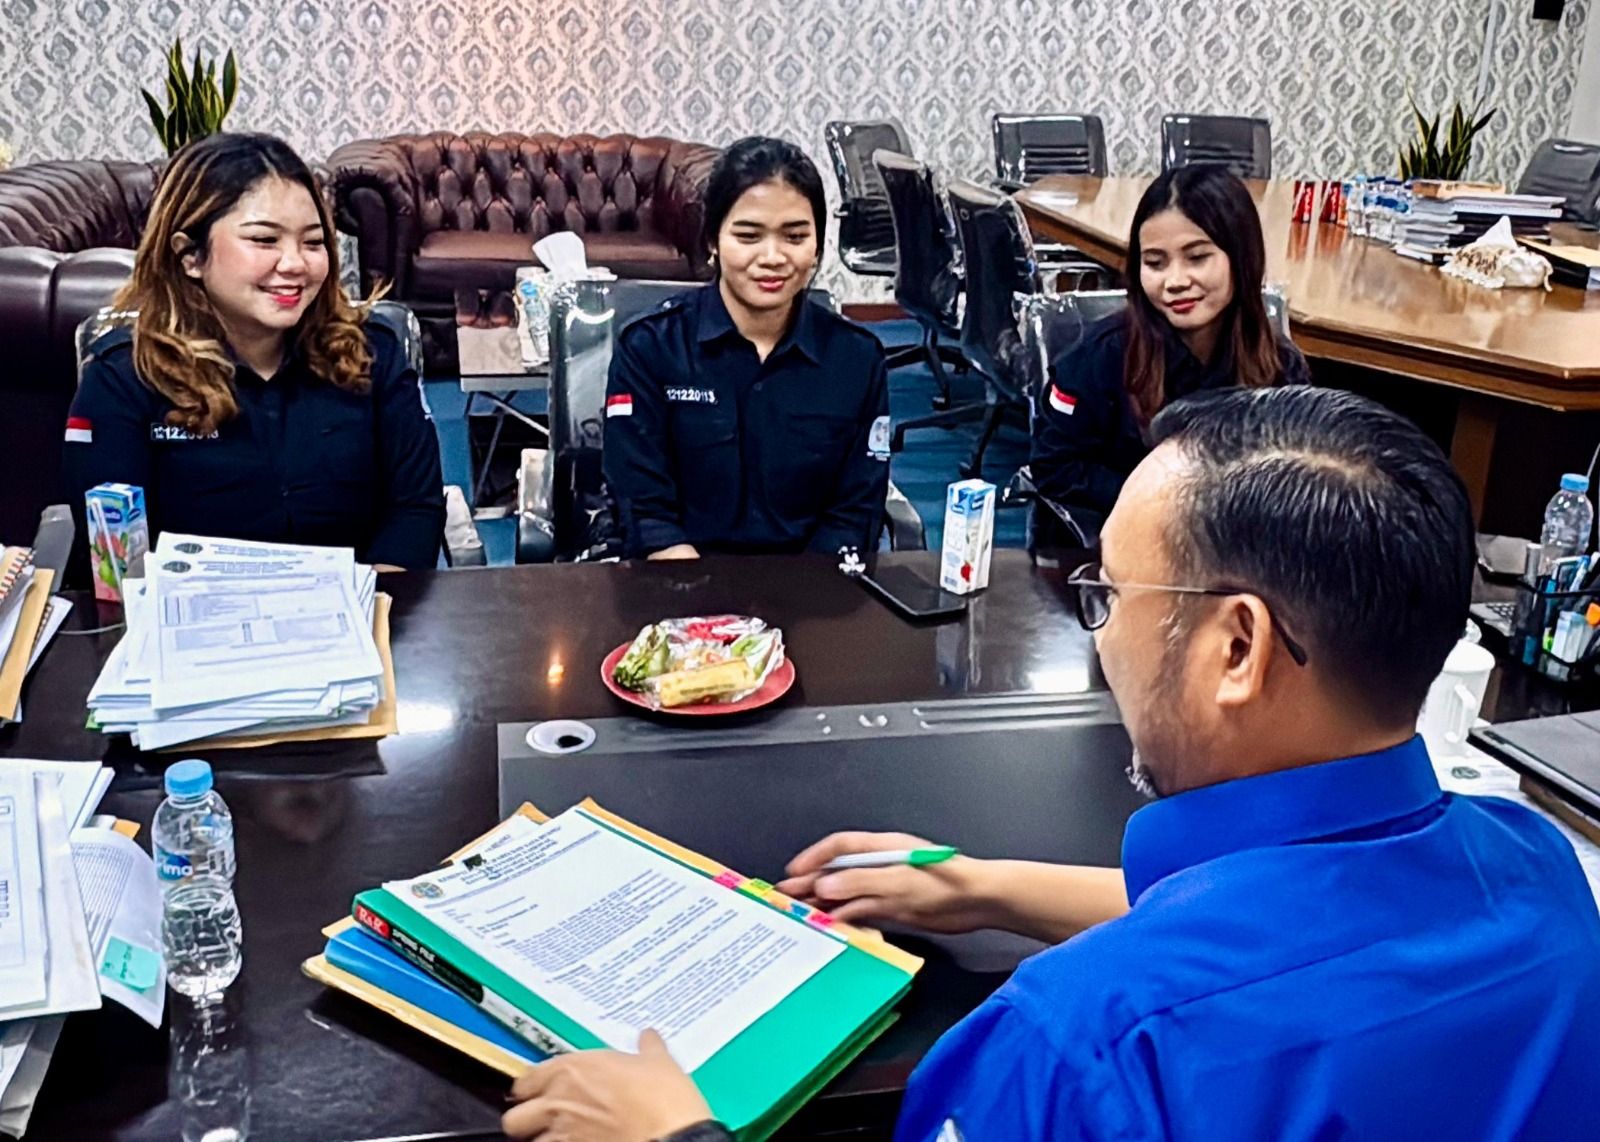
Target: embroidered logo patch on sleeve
x=79, y=430
x=619, y=405
x=1062, y=402
x=878, y=439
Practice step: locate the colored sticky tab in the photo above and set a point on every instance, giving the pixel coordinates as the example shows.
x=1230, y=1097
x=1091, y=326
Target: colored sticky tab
x=755, y=887
x=131, y=965
x=820, y=920
x=729, y=879
x=798, y=908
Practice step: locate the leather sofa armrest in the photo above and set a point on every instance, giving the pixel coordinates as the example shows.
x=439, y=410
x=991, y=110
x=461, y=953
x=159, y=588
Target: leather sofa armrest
x=375, y=199
x=43, y=297
x=681, y=200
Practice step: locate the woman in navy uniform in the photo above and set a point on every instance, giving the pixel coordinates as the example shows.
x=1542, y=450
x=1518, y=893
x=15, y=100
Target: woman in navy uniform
x=1195, y=320
x=741, y=416
x=249, y=399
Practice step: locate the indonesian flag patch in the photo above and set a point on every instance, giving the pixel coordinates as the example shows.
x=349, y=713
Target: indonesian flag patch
x=79, y=430
x=619, y=405
x=1062, y=402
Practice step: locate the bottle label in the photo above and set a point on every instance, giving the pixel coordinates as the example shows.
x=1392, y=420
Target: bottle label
x=172, y=867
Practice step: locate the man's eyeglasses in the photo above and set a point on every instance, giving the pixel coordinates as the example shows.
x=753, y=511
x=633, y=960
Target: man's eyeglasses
x=1091, y=595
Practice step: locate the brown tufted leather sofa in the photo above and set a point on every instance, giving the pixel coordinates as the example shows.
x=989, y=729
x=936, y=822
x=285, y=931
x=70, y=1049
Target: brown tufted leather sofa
x=440, y=214
x=67, y=232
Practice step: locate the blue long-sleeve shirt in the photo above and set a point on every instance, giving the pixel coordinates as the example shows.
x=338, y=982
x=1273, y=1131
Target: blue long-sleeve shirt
x=1336, y=951
x=705, y=443
x=302, y=462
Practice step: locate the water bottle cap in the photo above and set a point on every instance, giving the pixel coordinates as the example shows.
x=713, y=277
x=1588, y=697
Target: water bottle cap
x=188, y=778
x=1574, y=482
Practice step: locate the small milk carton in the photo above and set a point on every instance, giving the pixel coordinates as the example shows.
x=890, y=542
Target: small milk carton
x=119, y=536
x=968, y=537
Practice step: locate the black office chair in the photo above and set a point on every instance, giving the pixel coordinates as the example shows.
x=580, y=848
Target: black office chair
x=564, y=512
x=997, y=252
x=1570, y=169
x=866, y=223
x=927, y=281
x=1242, y=145
x=1053, y=324
x=1028, y=147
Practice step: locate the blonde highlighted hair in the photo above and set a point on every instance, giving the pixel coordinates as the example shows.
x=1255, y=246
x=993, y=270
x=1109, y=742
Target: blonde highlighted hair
x=179, y=347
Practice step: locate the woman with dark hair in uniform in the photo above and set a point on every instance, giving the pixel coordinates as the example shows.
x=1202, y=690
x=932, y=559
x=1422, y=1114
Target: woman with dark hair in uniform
x=248, y=398
x=742, y=416
x=1195, y=320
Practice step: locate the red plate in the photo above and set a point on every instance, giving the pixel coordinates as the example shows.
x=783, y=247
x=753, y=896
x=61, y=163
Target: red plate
x=776, y=686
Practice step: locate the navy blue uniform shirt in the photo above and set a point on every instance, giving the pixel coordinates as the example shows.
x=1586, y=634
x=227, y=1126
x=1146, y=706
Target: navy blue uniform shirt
x=1340, y=951
x=707, y=444
x=302, y=462
x=1086, y=436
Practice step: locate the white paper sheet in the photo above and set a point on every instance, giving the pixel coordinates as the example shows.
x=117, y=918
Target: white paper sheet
x=56, y=612
x=23, y=949
x=14, y=1038
x=621, y=938
x=16, y=1105
x=220, y=639
x=122, y=899
x=71, y=971
x=80, y=784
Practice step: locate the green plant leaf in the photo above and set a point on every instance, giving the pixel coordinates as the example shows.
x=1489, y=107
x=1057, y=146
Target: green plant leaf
x=230, y=83
x=158, y=118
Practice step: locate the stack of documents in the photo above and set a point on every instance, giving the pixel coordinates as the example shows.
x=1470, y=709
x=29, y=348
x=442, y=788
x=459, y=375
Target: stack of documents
x=239, y=641
x=1444, y=224
x=29, y=619
x=82, y=920
x=582, y=931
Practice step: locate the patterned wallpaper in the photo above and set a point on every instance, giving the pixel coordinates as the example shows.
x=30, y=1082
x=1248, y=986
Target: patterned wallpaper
x=1332, y=75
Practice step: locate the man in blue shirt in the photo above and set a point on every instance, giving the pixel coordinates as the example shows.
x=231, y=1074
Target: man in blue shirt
x=1308, y=939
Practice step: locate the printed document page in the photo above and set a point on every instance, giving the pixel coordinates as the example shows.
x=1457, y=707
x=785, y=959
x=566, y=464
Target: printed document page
x=621, y=938
x=23, y=952
x=220, y=639
x=122, y=901
x=207, y=556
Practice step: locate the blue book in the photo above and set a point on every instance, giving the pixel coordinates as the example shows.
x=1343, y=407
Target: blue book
x=366, y=958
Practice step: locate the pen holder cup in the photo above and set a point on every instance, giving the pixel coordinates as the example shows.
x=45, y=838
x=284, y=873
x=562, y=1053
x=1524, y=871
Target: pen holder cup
x=1563, y=650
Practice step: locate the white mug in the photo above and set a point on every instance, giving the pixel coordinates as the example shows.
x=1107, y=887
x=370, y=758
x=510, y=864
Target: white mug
x=1454, y=700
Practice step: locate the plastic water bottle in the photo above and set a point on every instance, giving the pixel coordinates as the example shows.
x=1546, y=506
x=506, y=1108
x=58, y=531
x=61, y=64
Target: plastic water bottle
x=1567, y=520
x=193, y=841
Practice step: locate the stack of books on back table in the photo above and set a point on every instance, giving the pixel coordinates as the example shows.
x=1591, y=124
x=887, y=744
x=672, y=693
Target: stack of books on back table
x=29, y=617
x=240, y=643
x=1435, y=226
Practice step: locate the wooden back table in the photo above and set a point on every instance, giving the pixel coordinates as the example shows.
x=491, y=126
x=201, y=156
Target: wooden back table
x=1356, y=302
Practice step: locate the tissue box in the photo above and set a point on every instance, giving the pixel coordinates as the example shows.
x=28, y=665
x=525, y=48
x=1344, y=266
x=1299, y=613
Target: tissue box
x=968, y=536
x=119, y=536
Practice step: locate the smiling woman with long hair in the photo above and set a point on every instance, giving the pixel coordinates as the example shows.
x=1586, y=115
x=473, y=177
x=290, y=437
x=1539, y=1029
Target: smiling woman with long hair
x=1195, y=320
x=248, y=397
x=743, y=416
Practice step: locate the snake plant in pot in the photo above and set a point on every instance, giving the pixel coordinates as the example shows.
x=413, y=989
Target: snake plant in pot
x=1425, y=157
x=196, y=105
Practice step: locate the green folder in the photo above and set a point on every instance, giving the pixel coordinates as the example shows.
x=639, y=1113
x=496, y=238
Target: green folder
x=757, y=1080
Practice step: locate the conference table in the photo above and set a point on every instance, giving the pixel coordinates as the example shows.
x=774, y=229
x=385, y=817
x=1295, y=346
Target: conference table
x=474, y=648
x=478, y=648
x=1356, y=303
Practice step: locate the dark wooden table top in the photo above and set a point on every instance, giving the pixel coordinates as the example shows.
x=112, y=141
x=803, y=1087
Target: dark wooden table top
x=474, y=648
x=1357, y=301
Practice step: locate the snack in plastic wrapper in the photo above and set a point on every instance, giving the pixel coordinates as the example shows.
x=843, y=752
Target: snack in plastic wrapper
x=691, y=651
